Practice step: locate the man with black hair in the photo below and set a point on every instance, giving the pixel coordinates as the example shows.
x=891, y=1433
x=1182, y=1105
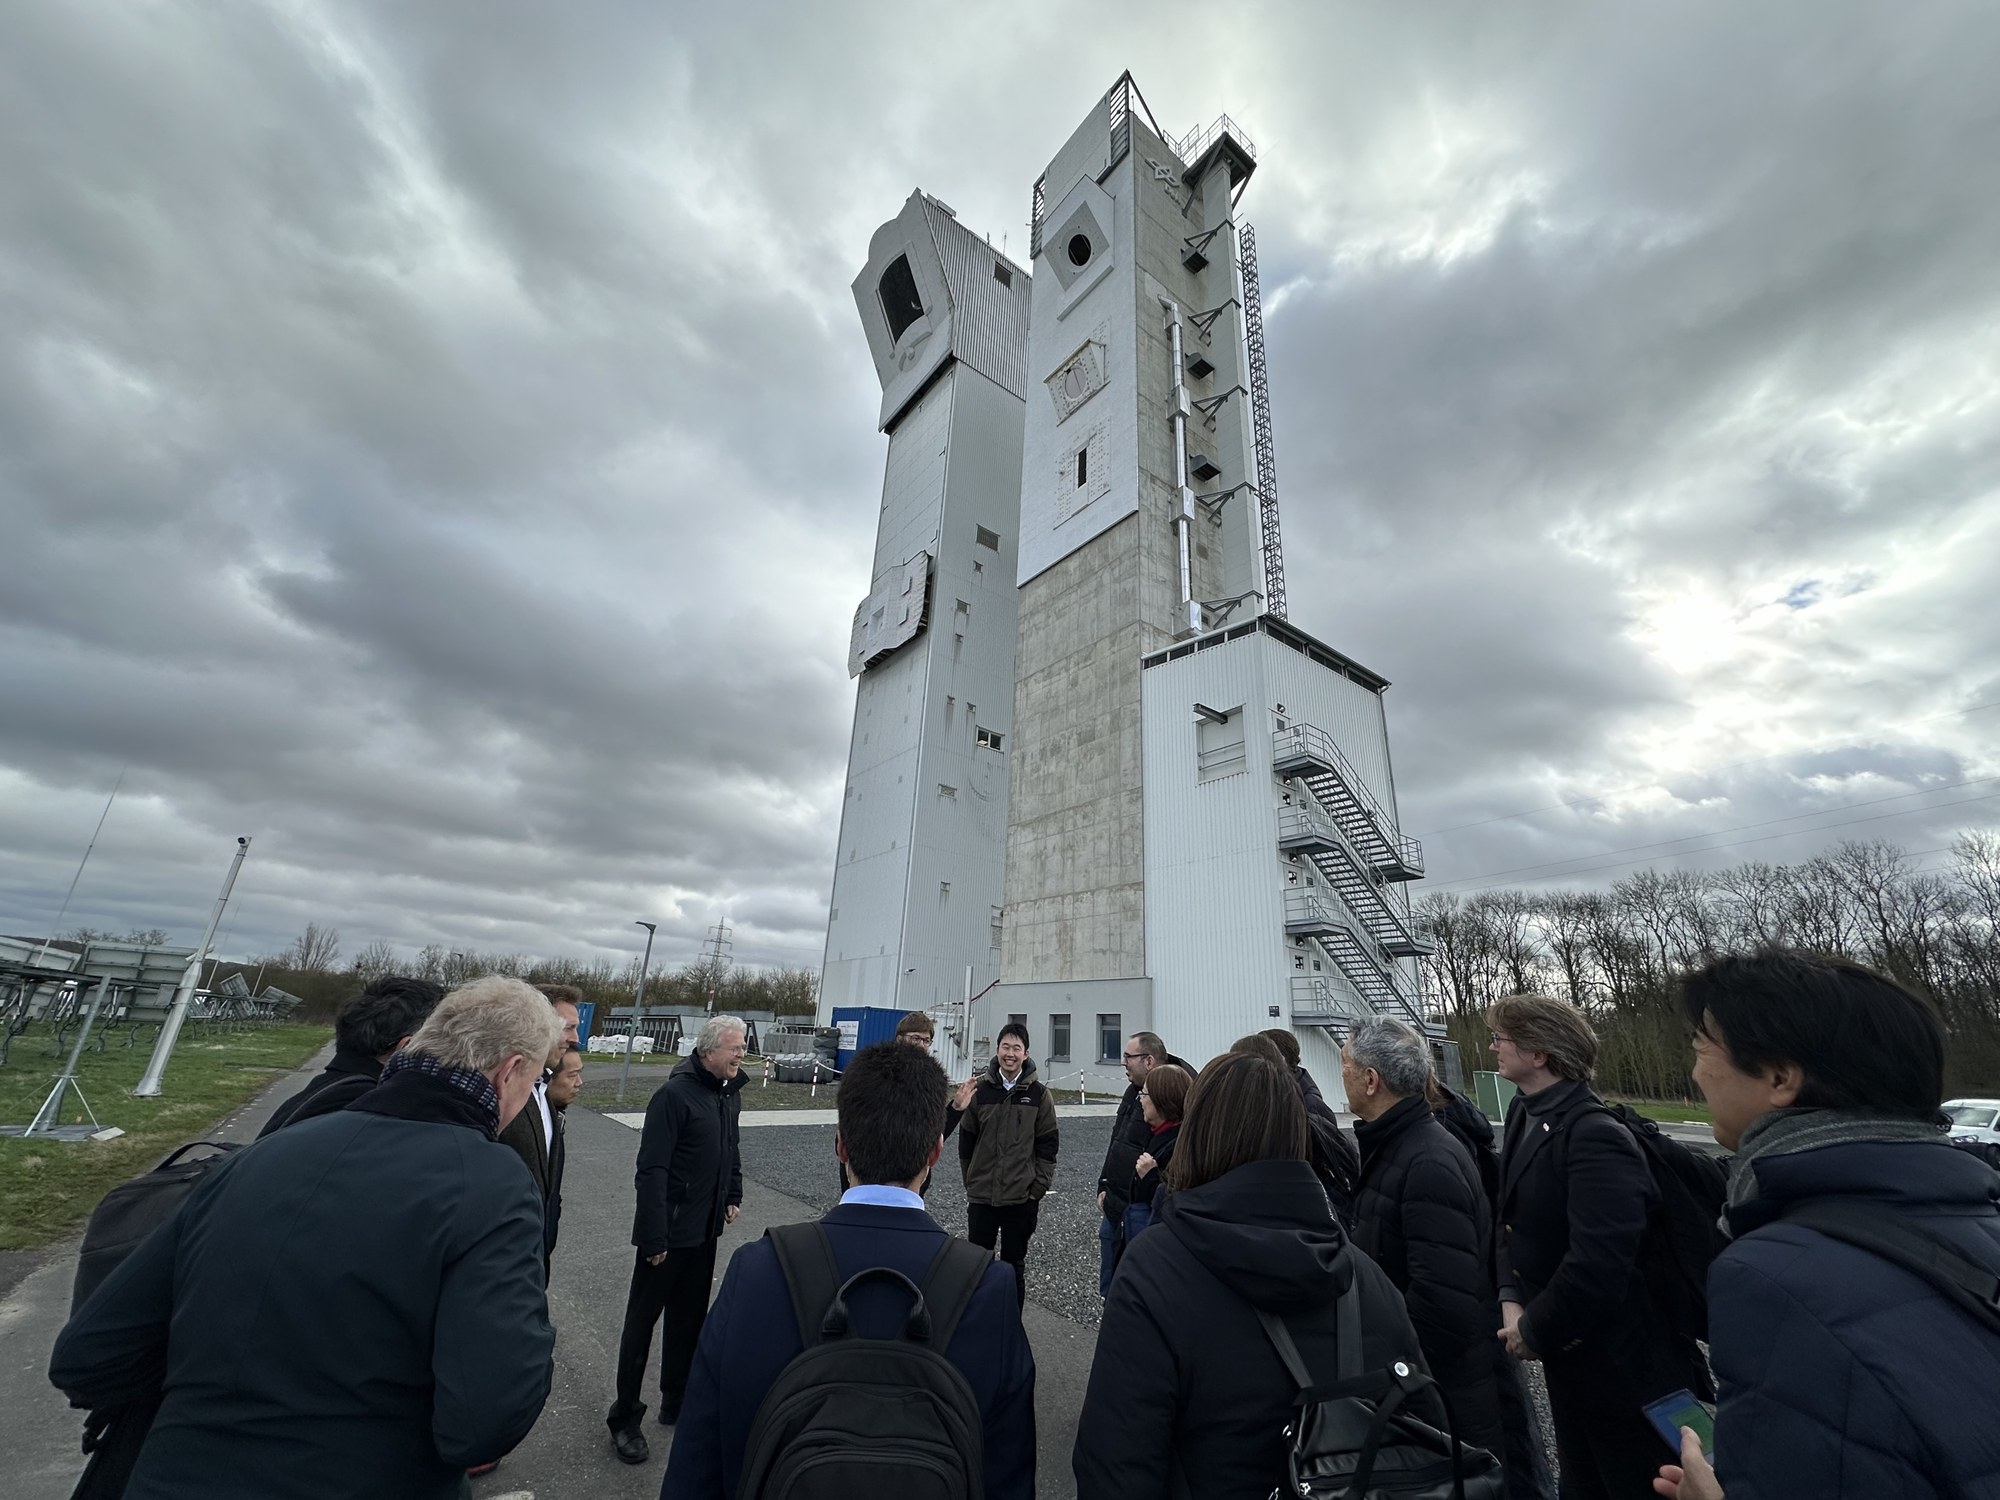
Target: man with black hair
x=1007, y=1140
x=370, y=1029
x=1844, y=1371
x=891, y=1106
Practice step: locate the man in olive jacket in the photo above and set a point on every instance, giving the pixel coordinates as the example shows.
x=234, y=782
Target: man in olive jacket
x=1007, y=1146
x=690, y=1184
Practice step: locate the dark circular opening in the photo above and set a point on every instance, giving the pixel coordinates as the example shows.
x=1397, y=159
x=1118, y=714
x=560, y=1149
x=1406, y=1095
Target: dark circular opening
x=1079, y=249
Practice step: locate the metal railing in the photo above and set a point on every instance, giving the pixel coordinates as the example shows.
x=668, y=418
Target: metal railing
x=1197, y=141
x=1302, y=744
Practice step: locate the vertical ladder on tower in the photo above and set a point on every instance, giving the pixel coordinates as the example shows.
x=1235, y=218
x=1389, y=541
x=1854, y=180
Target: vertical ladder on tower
x=1260, y=418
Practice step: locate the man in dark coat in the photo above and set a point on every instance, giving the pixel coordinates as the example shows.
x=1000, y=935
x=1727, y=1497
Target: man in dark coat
x=1421, y=1215
x=891, y=1106
x=1842, y=1375
x=1007, y=1143
x=366, y=1034
x=690, y=1184
x=1130, y=1136
x=532, y=1133
x=1575, y=1197
x=353, y=1307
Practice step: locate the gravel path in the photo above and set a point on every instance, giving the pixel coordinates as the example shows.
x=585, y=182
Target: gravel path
x=1062, y=1257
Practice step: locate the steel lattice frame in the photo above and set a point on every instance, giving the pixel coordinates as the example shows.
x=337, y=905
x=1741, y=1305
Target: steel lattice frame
x=1260, y=417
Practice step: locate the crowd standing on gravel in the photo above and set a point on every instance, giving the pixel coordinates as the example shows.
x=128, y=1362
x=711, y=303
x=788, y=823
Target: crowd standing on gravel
x=1284, y=1307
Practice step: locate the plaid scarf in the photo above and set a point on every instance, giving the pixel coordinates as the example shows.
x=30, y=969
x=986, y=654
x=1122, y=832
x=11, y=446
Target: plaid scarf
x=475, y=1085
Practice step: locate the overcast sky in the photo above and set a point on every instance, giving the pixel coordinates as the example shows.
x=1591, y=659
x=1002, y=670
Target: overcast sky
x=436, y=440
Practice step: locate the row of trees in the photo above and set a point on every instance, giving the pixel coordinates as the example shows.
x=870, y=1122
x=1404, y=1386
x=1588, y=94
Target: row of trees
x=1617, y=953
x=310, y=969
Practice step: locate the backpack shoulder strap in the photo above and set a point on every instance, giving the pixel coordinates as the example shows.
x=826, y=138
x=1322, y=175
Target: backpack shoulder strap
x=950, y=1284
x=1962, y=1280
x=811, y=1275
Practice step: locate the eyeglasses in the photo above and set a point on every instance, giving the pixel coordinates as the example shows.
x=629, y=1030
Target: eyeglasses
x=1500, y=1036
x=1132, y=1056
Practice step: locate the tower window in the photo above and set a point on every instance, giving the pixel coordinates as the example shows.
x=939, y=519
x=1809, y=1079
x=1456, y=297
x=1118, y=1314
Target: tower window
x=1082, y=467
x=1002, y=275
x=1079, y=250
x=987, y=539
x=986, y=739
x=900, y=303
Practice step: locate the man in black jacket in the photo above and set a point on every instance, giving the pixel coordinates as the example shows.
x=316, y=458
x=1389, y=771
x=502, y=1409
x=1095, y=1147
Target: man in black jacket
x=532, y=1134
x=1575, y=1197
x=562, y=1090
x=366, y=1034
x=353, y=1306
x=1007, y=1144
x=690, y=1184
x=1130, y=1136
x=1420, y=1213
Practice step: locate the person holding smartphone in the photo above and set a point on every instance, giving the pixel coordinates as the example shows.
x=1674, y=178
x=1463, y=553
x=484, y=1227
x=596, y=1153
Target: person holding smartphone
x=1843, y=1373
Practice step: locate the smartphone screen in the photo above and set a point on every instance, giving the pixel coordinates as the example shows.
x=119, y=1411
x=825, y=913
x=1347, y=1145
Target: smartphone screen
x=1671, y=1413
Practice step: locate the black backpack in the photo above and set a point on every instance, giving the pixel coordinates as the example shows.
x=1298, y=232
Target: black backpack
x=132, y=1210
x=1352, y=1438
x=855, y=1417
x=118, y=1226
x=1684, y=1235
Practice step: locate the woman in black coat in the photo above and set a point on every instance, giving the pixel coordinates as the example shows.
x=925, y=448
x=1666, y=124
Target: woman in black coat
x=1187, y=1393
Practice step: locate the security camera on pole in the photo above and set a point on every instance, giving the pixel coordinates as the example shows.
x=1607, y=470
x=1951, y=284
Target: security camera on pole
x=170, y=1029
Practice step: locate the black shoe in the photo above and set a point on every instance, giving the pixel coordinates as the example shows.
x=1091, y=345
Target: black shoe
x=668, y=1414
x=630, y=1446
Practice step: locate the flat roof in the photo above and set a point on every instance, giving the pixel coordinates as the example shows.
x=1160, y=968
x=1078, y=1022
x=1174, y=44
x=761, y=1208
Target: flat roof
x=1281, y=631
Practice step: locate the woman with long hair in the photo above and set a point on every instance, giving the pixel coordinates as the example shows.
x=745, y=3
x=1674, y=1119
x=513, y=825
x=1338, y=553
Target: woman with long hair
x=1187, y=1393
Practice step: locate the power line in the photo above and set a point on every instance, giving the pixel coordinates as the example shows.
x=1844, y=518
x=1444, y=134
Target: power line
x=1500, y=875
x=1700, y=771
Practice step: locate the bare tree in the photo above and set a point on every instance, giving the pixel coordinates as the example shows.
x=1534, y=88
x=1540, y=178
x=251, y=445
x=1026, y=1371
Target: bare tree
x=314, y=950
x=374, y=961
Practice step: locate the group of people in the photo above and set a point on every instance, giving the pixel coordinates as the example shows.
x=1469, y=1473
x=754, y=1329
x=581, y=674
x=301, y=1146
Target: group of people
x=1248, y=1248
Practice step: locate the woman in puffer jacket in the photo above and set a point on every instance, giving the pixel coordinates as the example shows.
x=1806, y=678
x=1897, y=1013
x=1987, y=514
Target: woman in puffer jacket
x=1187, y=1393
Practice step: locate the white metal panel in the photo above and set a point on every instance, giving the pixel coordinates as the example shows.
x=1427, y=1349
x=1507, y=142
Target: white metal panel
x=1103, y=312
x=1215, y=940
x=1345, y=709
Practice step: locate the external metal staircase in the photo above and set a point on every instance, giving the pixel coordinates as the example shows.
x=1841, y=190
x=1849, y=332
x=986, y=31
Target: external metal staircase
x=1308, y=753
x=1356, y=955
x=1309, y=831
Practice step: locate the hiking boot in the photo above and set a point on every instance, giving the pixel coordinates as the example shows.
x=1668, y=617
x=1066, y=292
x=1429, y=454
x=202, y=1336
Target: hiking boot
x=630, y=1446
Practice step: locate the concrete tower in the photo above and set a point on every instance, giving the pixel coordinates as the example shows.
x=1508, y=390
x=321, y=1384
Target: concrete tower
x=917, y=883
x=1153, y=867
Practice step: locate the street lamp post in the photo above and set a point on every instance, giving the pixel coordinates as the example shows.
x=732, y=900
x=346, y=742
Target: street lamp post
x=638, y=1008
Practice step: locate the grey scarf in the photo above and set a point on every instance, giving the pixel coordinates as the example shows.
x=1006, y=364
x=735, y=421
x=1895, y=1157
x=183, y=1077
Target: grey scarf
x=1786, y=1132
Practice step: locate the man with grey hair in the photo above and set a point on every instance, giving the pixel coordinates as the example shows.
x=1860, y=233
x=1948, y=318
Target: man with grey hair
x=354, y=1305
x=690, y=1184
x=1421, y=1215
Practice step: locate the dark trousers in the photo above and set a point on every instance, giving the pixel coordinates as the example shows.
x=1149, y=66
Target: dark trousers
x=1606, y=1449
x=678, y=1289
x=1010, y=1224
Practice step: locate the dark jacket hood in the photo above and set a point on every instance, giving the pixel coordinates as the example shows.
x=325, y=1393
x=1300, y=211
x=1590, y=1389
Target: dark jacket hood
x=1265, y=1231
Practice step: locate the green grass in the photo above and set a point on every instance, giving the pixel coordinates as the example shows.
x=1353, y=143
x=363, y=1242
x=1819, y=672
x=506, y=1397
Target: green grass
x=48, y=1188
x=1672, y=1111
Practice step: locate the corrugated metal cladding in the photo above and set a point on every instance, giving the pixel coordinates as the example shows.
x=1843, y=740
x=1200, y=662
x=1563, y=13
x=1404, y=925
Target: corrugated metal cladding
x=1215, y=879
x=989, y=316
x=1215, y=924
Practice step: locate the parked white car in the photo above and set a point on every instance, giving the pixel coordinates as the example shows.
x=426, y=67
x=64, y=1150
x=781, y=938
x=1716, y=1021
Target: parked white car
x=1974, y=1119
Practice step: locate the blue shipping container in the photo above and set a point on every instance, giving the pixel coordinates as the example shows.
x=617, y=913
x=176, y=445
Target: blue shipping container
x=863, y=1026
